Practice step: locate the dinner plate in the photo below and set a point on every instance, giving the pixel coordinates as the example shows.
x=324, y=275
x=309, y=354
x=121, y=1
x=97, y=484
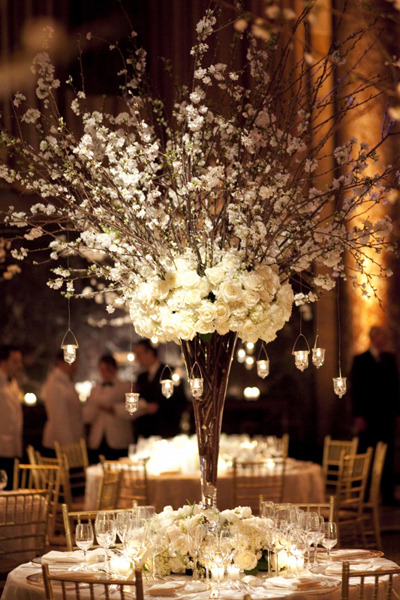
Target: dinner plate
x=37, y=560
x=37, y=579
x=348, y=555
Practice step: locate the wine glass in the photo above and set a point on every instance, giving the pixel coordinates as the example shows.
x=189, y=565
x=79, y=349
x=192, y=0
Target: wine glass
x=3, y=479
x=195, y=537
x=106, y=533
x=330, y=537
x=84, y=538
x=136, y=539
x=123, y=522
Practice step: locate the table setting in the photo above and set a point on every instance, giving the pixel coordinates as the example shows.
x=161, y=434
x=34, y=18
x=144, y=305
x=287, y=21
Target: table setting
x=202, y=553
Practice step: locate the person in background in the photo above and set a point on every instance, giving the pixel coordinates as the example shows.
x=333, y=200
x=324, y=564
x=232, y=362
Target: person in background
x=166, y=413
x=11, y=416
x=110, y=424
x=63, y=408
x=376, y=403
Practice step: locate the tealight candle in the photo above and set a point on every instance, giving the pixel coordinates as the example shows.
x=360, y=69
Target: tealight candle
x=120, y=565
x=217, y=573
x=233, y=572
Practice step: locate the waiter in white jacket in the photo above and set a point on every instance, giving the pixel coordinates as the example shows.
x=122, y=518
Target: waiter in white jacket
x=111, y=428
x=11, y=416
x=63, y=407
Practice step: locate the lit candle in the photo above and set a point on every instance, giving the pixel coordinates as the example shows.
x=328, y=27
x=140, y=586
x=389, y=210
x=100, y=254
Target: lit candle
x=120, y=565
x=217, y=573
x=233, y=572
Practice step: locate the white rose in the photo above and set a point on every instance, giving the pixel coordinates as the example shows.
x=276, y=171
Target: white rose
x=223, y=327
x=247, y=332
x=176, y=565
x=252, y=281
x=204, y=327
x=246, y=560
x=222, y=310
x=192, y=297
x=206, y=312
x=215, y=275
x=186, y=328
x=230, y=292
x=188, y=279
x=250, y=298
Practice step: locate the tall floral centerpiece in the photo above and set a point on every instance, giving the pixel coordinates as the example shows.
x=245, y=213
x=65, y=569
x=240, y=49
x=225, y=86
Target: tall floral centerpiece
x=198, y=221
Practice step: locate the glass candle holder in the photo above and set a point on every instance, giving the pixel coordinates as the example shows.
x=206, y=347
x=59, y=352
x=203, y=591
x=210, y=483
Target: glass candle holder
x=301, y=359
x=69, y=351
x=318, y=357
x=131, y=402
x=167, y=387
x=339, y=386
x=262, y=368
x=196, y=386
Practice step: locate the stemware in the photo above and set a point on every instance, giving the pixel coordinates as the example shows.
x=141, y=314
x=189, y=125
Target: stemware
x=195, y=536
x=136, y=539
x=3, y=479
x=106, y=533
x=84, y=538
x=330, y=537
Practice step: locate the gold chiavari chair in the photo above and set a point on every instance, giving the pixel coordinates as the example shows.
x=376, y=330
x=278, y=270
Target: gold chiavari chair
x=23, y=527
x=372, y=528
x=353, y=478
x=77, y=461
x=62, y=462
x=134, y=483
x=41, y=477
x=71, y=518
x=109, y=490
x=371, y=584
x=324, y=509
x=331, y=456
x=79, y=586
x=254, y=479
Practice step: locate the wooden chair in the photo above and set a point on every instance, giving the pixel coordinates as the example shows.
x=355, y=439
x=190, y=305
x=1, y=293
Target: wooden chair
x=23, y=527
x=80, y=586
x=369, y=583
x=353, y=478
x=71, y=518
x=372, y=528
x=77, y=461
x=324, y=509
x=331, y=456
x=134, y=483
x=253, y=479
x=41, y=477
x=109, y=490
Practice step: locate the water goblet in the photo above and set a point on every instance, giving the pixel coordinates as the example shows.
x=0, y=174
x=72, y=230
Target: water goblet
x=84, y=538
x=3, y=479
x=330, y=537
x=136, y=539
x=195, y=537
x=106, y=533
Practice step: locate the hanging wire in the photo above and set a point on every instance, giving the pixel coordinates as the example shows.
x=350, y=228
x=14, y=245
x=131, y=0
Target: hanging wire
x=339, y=383
x=131, y=398
x=318, y=354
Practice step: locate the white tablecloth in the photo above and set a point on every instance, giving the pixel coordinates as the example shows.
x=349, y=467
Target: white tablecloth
x=303, y=483
x=19, y=588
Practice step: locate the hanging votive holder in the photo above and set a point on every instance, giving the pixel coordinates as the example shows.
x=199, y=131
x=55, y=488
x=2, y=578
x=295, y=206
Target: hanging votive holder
x=167, y=384
x=69, y=349
x=262, y=362
x=131, y=402
x=318, y=357
x=301, y=356
x=196, y=381
x=339, y=385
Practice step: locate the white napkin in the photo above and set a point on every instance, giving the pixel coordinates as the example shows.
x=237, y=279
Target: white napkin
x=167, y=588
x=336, y=568
x=74, y=557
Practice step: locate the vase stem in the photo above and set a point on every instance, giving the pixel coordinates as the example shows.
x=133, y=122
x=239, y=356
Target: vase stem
x=208, y=490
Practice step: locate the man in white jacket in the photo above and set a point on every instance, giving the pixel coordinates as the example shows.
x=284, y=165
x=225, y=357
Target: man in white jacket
x=111, y=428
x=11, y=417
x=63, y=407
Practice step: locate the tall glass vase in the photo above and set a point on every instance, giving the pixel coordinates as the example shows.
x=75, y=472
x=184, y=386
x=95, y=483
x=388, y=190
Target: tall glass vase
x=212, y=354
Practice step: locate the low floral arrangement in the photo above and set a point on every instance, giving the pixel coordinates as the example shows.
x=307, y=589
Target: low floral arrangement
x=174, y=554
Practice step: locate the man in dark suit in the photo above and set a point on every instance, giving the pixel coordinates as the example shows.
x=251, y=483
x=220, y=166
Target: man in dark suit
x=376, y=402
x=166, y=412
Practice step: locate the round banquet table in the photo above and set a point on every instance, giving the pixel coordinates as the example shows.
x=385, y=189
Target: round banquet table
x=25, y=583
x=303, y=484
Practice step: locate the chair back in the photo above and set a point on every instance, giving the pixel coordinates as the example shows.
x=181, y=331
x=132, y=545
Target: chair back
x=23, y=526
x=62, y=464
x=109, y=489
x=134, y=484
x=76, y=457
x=332, y=453
x=353, y=478
x=371, y=584
x=40, y=477
x=70, y=586
x=376, y=472
x=255, y=479
x=72, y=517
x=324, y=509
